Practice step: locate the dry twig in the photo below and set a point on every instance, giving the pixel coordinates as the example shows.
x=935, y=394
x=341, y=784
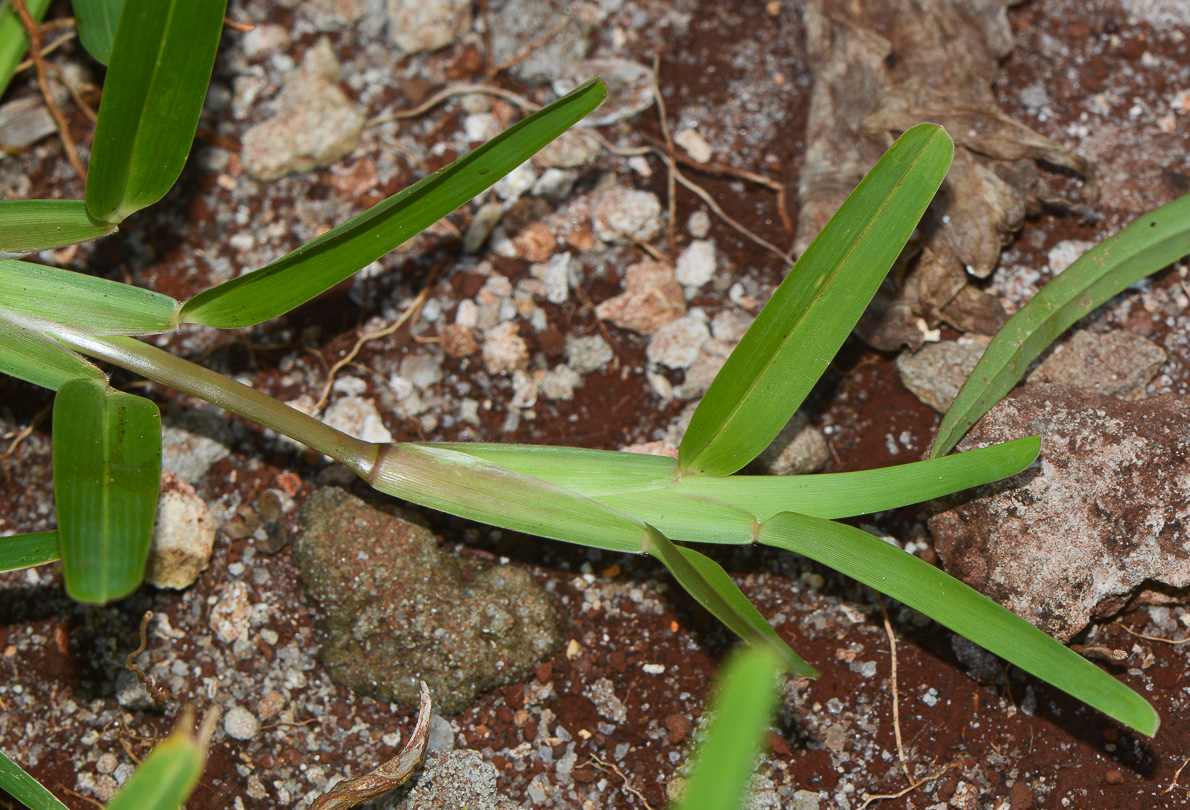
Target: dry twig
x=159, y=694
x=892, y=647
x=1170, y=641
x=387, y=777
x=611, y=767
x=927, y=778
x=409, y=312
x=670, y=189
x=1174, y=783
x=33, y=30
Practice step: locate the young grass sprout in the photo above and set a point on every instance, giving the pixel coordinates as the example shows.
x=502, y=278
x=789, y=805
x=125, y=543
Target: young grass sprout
x=107, y=446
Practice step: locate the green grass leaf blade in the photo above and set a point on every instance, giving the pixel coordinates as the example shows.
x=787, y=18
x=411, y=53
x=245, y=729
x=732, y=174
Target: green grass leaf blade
x=712, y=588
x=168, y=776
x=97, y=23
x=27, y=550
x=590, y=472
x=812, y=312
x=839, y=495
x=84, y=304
x=107, y=473
x=1152, y=242
x=31, y=356
x=24, y=788
x=13, y=40
x=742, y=709
x=27, y=226
x=969, y=613
x=471, y=487
x=322, y=263
x=156, y=83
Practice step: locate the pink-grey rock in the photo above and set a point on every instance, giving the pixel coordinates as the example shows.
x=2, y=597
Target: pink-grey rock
x=572, y=149
x=652, y=298
x=1102, y=514
x=935, y=372
x=676, y=344
x=625, y=215
x=314, y=125
x=504, y=351
x=799, y=448
x=1118, y=363
x=427, y=25
x=183, y=536
x=697, y=263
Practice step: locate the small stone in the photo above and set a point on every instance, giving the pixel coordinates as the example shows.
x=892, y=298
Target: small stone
x=560, y=383
x=192, y=442
x=535, y=243
x=676, y=344
x=131, y=693
x=696, y=264
x=624, y=215
x=486, y=218
x=457, y=340
x=965, y=797
x=240, y=724
x=652, y=298
x=427, y=25
x=603, y=695
x=441, y=736
x=357, y=417
x=695, y=145
x=699, y=224
x=183, y=536
x=556, y=275
x=315, y=124
x=1020, y=797
x=504, y=351
x=936, y=371
x=677, y=726
x=524, y=390
x=799, y=448
x=1064, y=254
x=573, y=149
x=1119, y=364
x=588, y=353
x=1115, y=777
x=232, y=612
x=265, y=39
x=836, y=737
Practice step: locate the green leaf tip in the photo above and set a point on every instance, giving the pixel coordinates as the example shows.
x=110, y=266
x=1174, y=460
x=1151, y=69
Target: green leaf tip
x=800, y=329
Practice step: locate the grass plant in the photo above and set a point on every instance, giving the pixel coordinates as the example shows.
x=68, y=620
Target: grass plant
x=106, y=443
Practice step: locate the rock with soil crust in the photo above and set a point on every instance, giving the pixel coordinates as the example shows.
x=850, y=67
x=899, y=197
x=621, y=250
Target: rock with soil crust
x=799, y=448
x=935, y=372
x=1101, y=515
x=183, y=536
x=396, y=609
x=453, y=780
x=315, y=124
x=624, y=215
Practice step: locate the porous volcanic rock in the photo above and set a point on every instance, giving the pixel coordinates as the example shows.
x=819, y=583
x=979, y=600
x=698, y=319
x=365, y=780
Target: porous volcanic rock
x=1101, y=514
x=396, y=609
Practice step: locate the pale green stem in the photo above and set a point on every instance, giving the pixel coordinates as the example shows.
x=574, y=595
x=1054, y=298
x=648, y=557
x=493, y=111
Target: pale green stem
x=191, y=378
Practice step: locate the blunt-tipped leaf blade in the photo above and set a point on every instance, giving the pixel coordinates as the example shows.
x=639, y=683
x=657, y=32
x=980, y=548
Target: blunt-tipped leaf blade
x=13, y=39
x=322, y=263
x=156, y=83
x=711, y=587
x=812, y=312
x=167, y=778
x=37, y=294
x=24, y=788
x=26, y=550
x=471, y=487
x=742, y=709
x=1152, y=242
x=969, y=613
x=97, y=23
x=107, y=475
x=31, y=356
x=27, y=226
